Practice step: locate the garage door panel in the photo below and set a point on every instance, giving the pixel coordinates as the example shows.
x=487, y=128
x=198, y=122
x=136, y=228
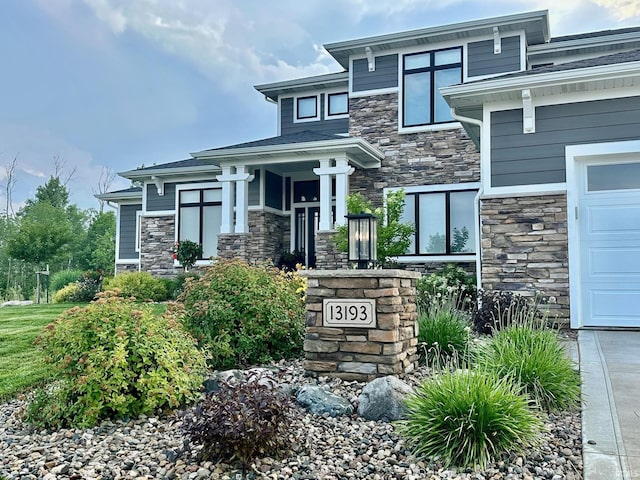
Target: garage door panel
x=614, y=263
x=614, y=307
x=614, y=220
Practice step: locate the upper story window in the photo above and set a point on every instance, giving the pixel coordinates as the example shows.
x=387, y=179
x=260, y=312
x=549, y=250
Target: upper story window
x=337, y=104
x=423, y=74
x=306, y=108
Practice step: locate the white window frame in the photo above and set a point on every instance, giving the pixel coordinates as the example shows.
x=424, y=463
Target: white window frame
x=295, y=108
x=327, y=94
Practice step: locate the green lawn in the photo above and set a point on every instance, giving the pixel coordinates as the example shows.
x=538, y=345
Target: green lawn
x=21, y=362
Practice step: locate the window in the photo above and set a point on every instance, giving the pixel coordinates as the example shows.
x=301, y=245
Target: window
x=306, y=107
x=445, y=222
x=337, y=104
x=423, y=74
x=199, y=218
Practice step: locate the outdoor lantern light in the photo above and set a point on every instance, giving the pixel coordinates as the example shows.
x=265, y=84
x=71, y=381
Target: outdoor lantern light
x=363, y=237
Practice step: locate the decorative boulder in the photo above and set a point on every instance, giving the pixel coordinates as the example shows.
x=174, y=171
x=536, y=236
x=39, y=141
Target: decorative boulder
x=383, y=399
x=319, y=401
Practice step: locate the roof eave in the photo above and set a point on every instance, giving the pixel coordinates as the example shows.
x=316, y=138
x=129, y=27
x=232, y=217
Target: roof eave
x=342, y=50
x=170, y=171
x=455, y=93
x=320, y=147
x=273, y=90
x=114, y=196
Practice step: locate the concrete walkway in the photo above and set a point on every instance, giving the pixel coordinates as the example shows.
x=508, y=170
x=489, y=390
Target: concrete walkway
x=610, y=372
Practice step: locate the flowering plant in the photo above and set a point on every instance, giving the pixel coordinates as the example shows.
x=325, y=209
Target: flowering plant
x=187, y=253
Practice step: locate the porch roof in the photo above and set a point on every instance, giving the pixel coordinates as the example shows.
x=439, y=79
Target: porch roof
x=296, y=148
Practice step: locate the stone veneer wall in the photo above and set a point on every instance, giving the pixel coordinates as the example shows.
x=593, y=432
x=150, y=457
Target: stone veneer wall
x=361, y=353
x=157, y=238
x=525, y=248
x=268, y=237
x=327, y=255
x=411, y=159
x=126, y=267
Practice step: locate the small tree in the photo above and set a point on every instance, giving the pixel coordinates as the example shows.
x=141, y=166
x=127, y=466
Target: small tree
x=394, y=236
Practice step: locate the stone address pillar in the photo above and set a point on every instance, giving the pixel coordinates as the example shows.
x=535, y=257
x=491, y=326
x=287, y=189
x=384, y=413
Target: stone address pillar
x=361, y=324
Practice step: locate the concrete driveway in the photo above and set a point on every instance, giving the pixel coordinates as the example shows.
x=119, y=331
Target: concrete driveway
x=610, y=372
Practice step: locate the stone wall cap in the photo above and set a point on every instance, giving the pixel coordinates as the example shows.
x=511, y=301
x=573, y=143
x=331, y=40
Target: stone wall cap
x=355, y=273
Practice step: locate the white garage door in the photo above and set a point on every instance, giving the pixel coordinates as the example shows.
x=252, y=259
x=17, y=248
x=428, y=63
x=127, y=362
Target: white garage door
x=609, y=233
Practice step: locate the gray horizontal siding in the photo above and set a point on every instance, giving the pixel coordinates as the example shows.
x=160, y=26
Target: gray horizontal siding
x=538, y=158
x=328, y=127
x=482, y=61
x=254, y=189
x=156, y=202
x=127, y=232
x=384, y=76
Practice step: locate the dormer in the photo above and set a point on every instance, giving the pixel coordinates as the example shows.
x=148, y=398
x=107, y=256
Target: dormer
x=319, y=104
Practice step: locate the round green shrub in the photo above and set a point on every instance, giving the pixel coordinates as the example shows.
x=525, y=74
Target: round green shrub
x=246, y=314
x=466, y=418
x=443, y=332
x=535, y=358
x=67, y=293
x=140, y=285
x=115, y=359
x=63, y=278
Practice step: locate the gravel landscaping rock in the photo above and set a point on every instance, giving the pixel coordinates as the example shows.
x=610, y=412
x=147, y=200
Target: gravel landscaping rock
x=323, y=447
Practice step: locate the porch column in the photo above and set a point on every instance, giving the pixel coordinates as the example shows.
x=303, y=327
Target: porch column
x=227, y=200
x=325, y=195
x=343, y=170
x=242, y=178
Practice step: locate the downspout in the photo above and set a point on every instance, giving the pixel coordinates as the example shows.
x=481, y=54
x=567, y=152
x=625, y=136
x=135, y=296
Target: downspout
x=476, y=201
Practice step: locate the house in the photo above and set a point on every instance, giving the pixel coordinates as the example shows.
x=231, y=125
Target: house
x=519, y=155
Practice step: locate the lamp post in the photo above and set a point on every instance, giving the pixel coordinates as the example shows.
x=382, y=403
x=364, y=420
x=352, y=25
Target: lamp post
x=363, y=237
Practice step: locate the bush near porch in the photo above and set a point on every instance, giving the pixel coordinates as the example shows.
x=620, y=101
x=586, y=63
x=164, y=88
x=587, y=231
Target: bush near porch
x=246, y=314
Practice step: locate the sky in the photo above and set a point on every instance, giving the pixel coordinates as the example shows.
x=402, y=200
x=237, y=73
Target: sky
x=116, y=84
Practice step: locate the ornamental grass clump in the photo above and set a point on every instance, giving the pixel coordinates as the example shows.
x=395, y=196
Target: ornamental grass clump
x=532, y=355
x=246, y=314
x=115, y=359
x=466, y=418
x=443, y=332
x=243, y=420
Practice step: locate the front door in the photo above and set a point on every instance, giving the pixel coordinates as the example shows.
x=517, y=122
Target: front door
x=609, y=234
x=306, y=225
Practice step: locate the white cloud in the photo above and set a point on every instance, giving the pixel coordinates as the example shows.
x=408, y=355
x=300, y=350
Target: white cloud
x=621, y=9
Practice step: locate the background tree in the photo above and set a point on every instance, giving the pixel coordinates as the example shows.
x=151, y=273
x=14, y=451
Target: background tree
x=101, y=238
x=43, y=231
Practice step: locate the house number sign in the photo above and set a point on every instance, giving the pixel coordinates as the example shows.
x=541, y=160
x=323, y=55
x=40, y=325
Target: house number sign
x=347, y=312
